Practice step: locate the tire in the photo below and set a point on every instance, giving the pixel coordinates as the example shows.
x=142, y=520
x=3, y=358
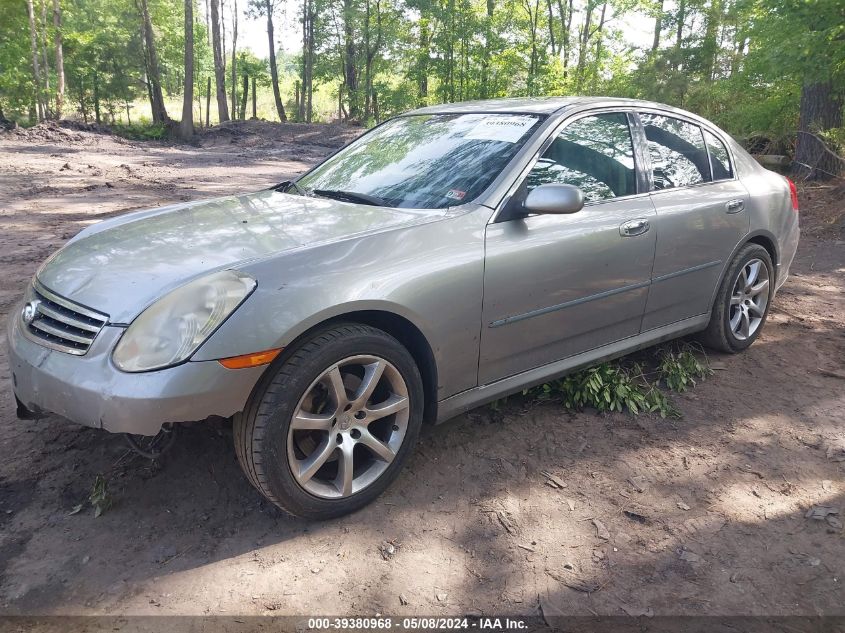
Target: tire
x=306, y=390
x=726, y=331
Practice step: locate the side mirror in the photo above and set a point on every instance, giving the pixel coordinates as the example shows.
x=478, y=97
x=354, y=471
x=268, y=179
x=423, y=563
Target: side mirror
x=554, y=198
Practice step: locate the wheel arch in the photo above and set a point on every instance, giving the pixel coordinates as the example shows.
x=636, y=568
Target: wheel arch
x=399, y=327
x=762, y=238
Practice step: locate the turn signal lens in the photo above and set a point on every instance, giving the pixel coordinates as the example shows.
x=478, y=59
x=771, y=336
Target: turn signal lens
x=793, y=193
x=250, y=360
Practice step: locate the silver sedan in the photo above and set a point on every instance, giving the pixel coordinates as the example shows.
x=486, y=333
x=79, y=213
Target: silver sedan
x=446, y=258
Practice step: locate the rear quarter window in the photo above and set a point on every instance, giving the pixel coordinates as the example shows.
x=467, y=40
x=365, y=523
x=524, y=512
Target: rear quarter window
x=720, y=160
x=678, y=155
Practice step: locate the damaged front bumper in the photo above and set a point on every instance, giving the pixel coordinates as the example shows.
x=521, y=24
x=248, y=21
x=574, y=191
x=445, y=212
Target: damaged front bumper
x=91, y=391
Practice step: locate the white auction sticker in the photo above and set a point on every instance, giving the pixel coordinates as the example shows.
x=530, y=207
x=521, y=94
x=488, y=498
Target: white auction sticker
x=501, y=127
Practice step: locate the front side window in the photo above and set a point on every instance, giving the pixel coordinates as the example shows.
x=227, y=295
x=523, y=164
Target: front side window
x=595, y=154
x=426, y=161
x=676, y=148
x=719, y=159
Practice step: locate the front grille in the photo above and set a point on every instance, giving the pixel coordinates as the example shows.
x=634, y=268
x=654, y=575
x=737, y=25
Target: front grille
x=60, y=324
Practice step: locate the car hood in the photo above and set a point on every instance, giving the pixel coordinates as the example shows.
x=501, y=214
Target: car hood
x=122, y=265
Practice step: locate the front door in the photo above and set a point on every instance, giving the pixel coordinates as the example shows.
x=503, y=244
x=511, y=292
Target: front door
x=701, y=217
x=558, y=285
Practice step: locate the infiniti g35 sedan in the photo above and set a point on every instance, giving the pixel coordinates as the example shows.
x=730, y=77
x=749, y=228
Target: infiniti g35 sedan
x=444, y=259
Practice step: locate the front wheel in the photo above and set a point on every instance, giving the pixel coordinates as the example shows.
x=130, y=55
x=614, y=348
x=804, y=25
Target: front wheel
x=742, y=303
x=328, y=430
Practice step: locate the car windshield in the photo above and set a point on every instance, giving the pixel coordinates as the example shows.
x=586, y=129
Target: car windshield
x=427, y=161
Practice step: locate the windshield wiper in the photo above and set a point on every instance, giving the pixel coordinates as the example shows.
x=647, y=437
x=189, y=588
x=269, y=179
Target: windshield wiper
x=351, y=196
x=287, y=185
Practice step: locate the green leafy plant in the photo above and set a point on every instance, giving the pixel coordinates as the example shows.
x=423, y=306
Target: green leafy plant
x=100, y=498
x=625, y=385
x=680, y=367
x=612, y=387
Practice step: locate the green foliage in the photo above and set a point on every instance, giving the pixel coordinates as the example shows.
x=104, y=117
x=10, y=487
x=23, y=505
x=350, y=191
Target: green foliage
x=611, y=387
x=625, y=385
x=100, y=498
x=143, y=131
x=741, y=63
x=680, y=367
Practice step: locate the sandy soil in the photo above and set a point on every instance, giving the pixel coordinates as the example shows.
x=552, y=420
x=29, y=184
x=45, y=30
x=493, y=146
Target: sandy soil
x=703, y=515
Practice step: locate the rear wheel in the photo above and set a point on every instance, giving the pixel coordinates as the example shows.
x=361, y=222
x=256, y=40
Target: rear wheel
x=328, y=430
x=742, y=304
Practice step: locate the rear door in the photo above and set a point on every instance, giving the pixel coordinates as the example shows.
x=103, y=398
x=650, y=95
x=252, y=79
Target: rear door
x=701, y=215
x=558, y=285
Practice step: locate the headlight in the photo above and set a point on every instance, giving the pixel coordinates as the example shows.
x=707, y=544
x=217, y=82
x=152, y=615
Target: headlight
x=172, y=328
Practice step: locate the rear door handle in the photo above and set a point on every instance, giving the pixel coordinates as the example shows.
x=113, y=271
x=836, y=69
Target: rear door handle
x=734, y=206
x=634, y=227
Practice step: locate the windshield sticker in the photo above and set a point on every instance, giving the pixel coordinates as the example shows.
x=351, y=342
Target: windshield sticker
x=506, y=128
x=455, y=194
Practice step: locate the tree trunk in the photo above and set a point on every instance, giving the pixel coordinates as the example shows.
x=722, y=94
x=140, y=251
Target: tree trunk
x=423, y=57
x=208, y=104
x=186, y=125
x=710, y=44
x=350, y=71
x=254, y=110
x=274, y=69
x=244, y=97
x=97, y=99
x=679, y=34
x=219, y=70
x=583, y=42
x=309, y=87
x=153, y=73
x=60, y=58
x=551, y=28
x=821, y=110
x=234, y=59
x=45, y=64
x=658, y=26
x=36, y=67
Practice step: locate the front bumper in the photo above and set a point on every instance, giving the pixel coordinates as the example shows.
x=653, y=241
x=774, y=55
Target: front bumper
x=91, y=391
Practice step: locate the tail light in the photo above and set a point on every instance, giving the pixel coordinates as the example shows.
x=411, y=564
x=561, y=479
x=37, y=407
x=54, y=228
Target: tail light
x=793, y=193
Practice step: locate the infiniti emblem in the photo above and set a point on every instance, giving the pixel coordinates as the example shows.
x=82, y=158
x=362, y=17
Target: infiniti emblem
x=30, y=310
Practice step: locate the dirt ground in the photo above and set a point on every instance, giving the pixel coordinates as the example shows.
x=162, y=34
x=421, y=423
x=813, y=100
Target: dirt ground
x=703, y=515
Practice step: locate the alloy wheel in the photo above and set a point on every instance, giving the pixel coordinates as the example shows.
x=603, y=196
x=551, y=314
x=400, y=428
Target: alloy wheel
x=348, y=427
x=749, y=299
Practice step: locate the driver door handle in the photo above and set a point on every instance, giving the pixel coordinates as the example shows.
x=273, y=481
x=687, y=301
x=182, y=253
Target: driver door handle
x=634, y=227
x=734, y=206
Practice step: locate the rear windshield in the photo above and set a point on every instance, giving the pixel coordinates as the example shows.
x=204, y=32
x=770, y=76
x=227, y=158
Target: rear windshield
x=425, y=161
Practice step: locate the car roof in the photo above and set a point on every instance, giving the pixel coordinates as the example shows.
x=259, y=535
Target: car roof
x=536, y=105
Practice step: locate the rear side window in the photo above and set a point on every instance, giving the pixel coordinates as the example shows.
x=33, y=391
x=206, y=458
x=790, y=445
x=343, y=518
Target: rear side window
x=595, y=154
x=719, y=158
x=678, y=155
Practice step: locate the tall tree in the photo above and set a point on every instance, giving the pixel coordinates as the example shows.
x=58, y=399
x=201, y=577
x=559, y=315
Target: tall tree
x=219, y=71
x=267, y=8
x=234, y=58
x=36, y=67
x=186, y=125
x=156, y=95
x=60, y=58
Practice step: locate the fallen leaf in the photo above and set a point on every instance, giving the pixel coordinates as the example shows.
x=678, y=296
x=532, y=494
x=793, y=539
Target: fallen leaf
x=601, y=530
x=688, y=556
x=819, y=513
x=552, y=481
x=638, y=483
x=639, y=518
